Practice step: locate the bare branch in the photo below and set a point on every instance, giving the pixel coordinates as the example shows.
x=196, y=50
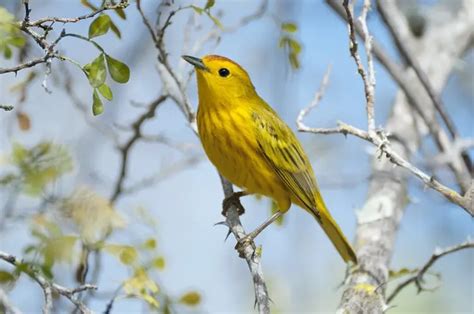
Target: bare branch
x=381, y=142
x=368, y=79
x=249, y=252
x=25, y=65
x=417, y=278
x=379, y=218
x=403, y=39
x=50, y=287
x=417, y=98
x=38, y=23
x=6, y=305
x=316, y=99
x=125, y=149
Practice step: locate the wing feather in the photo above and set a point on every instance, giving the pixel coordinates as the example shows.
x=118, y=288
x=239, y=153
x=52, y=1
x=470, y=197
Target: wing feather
x=282, y=150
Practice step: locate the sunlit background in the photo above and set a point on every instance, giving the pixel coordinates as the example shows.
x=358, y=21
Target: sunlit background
x=303, y=271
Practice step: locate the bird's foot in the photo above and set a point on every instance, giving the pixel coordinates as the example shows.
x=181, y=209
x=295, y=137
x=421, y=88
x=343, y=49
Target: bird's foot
x=233, y=200
x=243, y=243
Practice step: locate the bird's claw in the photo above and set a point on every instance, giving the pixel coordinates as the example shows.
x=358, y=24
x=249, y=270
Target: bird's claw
x=243, y=243
x=233, y=199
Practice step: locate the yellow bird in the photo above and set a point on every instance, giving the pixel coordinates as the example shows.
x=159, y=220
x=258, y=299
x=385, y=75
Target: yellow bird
x=254, y=149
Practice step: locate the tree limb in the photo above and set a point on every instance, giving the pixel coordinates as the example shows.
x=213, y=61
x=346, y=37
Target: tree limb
x=416, y=93
x=6, y=305
x=401, y=34
x=379, y=218
x=417, y=278
x=50, y=287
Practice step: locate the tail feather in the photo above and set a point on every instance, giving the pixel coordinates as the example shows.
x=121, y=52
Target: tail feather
x=333, y=231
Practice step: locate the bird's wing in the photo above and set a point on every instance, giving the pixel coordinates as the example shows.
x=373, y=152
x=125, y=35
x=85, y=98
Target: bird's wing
x=283, y=152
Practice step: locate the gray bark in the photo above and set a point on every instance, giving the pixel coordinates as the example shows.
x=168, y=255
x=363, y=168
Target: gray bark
x=378, y=220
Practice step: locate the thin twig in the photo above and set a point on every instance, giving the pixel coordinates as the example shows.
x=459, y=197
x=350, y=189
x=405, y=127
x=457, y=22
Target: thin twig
x=50, y=287
x=64, y=20
x=367, y=79
x=125, y=149
x=26, y=65
x=316, y=99
x=402, y=78
x=380, y=141
x=417, y=278
x=6, y=305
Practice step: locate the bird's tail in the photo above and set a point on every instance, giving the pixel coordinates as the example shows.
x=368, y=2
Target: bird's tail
x=333, y=231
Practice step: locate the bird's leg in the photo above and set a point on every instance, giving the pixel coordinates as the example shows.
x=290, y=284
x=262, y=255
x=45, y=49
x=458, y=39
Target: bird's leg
x=234, y=199
x=243, y=242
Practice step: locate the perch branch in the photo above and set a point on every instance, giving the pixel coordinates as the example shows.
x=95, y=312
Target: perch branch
x=177, y=90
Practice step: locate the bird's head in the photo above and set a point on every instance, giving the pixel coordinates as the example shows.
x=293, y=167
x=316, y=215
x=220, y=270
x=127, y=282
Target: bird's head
x=220, y=78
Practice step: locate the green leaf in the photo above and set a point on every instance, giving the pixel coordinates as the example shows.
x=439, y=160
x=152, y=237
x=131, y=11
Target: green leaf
x=92, y=214
x=115, y=29
x=120, y=12
x=150, y=244
x=126, y=253
x=191, y=298
x=209, y=4
x=289, y=27
x=40, y=165
x=6, y=276
x=140, y=285
x=196, y=9
x=295, y=63
x=105, y=91
x=215, y=20
x=99, y=26
x=60, y=249
x=159, y=263
x=295, y=46
x=96, y=71
x=118, y=70
x=7, y=52
x=283, y=41
x=97, y=105
x=393, y=274
x=89, y=5
x=16, y=41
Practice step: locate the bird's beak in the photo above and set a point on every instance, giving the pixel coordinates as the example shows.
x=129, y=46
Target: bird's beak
x=198, y=64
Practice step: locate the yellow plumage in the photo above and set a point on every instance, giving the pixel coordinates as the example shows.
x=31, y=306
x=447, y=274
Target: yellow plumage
x=253, y=148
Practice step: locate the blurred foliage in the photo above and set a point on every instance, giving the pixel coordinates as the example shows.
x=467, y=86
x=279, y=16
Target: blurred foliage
x=290, y=44
x=207, y=11
x=92, y=215
x=36, y=167
x=65, y=225
x=10, y=34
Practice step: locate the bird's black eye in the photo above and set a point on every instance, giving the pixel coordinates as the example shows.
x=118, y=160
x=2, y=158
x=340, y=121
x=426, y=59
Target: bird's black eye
x=224, y=72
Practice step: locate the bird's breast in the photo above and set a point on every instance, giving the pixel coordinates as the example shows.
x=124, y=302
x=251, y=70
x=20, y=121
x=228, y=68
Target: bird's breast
x=229, y=140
